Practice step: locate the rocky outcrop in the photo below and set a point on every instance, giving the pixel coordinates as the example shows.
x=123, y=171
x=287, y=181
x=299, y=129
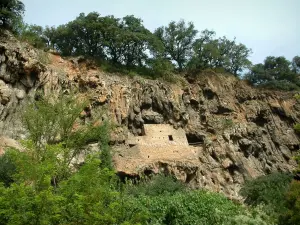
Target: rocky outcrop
x=6, y=142
x=23, y=71
x=240, y=131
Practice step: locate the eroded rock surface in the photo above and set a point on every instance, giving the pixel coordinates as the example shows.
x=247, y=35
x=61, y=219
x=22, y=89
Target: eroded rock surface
x=236, y=131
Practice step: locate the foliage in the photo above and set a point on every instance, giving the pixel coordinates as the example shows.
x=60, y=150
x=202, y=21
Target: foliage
x=155, y=185
x=296, y=64
x=276, y=73
x=297, y=128
x=7, y=170
x=126, y=46
x=49, y=119
x=86, y=197
x=267, y=190
x=209, y=52
x=292, y=216
x=11, y=12
x=161, y=67
x=33, y=34
x=195, y=207
x=177, y=39
x=283, y=85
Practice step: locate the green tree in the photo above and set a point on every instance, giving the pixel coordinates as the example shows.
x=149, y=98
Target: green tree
x=34, y=35
x=49, y=120
x=177, y=39
x=292, y=201
x=225, y=47
x=64, y=40
x=11, y=12
x=279, y=68
x=49, y=35
x=276, y=72
x=88, y=35
x=7, y=170
x=296, y=64
x=257, y=74
x=238, y=57
x=205, y=49
x=113, y=39
x=135, y=41
x=196, y=207
x=269, y=190
x=156, y=185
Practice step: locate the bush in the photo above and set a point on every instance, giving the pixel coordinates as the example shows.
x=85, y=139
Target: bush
x=269, y=190
x=48, y=119
x=292, y=215
x=11, y=13
x=157, y=185
x=283, y=85
x=87, y=197
x=297, y=128
x=195, y=207
x=7, y=169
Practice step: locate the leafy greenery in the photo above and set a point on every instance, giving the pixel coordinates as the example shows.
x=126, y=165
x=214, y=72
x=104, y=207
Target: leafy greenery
x=11, y=12
x=155, y=185
x=219, y=53
x=7, y=169
x=297, y=128
x=195, y=207
x=269, y=190
x=278, y=196
x=177, y=40
x=44, y=185
x=291, y=216
x=276, y=73
x=33, y=34
x=50, y=119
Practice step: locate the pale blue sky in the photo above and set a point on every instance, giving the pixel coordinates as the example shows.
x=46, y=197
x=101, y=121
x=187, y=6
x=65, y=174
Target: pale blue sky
x=268, y=27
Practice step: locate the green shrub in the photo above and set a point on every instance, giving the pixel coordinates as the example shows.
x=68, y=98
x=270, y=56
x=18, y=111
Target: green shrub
x=161, y=67
x=297, y=128
x=292, y=215
x=283, y=85
x=269, y=190
x=87, y=197
x=7, y=169
x=50, y=119
x=156, y=185
x=194, y=208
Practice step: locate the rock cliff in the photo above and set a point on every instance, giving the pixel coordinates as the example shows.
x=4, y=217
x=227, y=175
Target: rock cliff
x=235, y=131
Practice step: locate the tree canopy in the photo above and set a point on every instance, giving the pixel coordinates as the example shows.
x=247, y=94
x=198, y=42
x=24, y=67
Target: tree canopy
x=11, y=12
x=126, y=45
x=177, y=39
x=276, y=72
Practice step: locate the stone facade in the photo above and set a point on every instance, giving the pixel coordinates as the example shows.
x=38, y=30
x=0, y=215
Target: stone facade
x=160, y=145
x=159, y=135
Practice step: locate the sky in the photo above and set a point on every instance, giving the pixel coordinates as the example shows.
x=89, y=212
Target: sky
x=268, y=27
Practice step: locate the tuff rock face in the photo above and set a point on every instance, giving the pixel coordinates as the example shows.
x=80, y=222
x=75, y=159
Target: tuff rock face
x=236, y=132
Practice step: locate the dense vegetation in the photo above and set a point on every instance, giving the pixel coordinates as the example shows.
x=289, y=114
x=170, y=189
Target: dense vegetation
x=11, y=12
x=45, y=184
x=126, y=45
x=278, y=194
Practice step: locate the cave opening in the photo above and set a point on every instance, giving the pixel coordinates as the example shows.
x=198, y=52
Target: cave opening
x=193, y=138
